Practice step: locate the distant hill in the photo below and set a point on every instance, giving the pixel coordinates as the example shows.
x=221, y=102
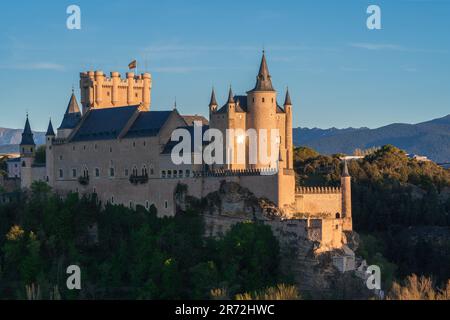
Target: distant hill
x=10, y=139
x=431, y=138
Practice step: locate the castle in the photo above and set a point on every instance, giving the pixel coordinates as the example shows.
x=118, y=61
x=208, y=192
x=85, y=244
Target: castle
x=118, y=148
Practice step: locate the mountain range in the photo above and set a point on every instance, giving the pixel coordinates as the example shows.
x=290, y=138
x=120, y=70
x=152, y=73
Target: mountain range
x=430, y=138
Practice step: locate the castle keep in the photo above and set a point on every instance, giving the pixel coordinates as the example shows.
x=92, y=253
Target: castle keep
x=117, y=147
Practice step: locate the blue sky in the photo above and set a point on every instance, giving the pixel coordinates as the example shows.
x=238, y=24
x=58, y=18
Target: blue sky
x=339, y=73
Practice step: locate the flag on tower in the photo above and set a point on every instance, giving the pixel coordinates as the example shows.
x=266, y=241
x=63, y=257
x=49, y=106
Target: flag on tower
x=132, y=64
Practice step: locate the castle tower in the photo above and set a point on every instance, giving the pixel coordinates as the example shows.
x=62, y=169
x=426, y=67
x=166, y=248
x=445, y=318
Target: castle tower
x=346, y=189
x=27, y=152
x=262, y=109
x=212, y=103
x=71, y=118
x=99, y=91
x=288, y=134
x=49, y=164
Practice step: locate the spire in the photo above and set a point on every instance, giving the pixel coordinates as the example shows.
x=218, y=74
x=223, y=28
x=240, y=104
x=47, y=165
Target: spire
x=27, y=134
x=72, y=107
x=345, y=171
x=50, y=131
x=263, y=79
x=230, y=96
x=213, y=101
x=287, y=100
x=175, y=104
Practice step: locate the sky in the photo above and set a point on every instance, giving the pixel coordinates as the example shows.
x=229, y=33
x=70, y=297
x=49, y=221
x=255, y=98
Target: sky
x=339, y=73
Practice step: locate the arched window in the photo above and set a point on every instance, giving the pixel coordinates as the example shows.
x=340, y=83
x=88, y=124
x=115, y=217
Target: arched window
x=135, y=171
x=24, y=164
x=338, y=216
x=144, y=171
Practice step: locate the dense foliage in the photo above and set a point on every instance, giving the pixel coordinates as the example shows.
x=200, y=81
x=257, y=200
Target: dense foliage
x=400, y=206
x=136, y=254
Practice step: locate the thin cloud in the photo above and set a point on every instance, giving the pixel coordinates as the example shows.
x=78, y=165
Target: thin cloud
x=34, y=66
x=377, y=46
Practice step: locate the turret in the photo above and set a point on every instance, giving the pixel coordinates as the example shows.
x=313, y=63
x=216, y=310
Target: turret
x=27, y=152
x=346, y=189
x=288, y=134
x=231, y=104
x=213, y=102
x=49, y=136
x=71, y=118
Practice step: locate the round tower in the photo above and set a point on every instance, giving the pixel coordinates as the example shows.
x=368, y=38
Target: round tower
x=346, y=189
x=261, y=110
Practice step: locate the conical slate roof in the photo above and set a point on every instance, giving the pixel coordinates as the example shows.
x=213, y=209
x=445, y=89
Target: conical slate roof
x=287, y=100
x=27, y=135
x=72, y=115
x=263, y=79
x=213, y=101
x=230, y=96
x=50, y=131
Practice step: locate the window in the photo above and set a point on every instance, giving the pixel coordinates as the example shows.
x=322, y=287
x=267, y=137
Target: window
x=166, y=204
x=338, y=215
x=152, y=172
x=95, y=190
x=188, y=173
x=144, y=143
x=84, y=147
x=126, y=172
x=134, y=144
x=85, y=172
x=61, y=174
x=144, y=171
x=74, y=173
x=24, y=164
x=147, y=205
x=262, y=99
x=60, y=157
x=180, y=173
x=110, y=149
x=73, y=148
x=163, y=174
x=111, y=172
x=97, y=172
x=95, y=146
x=112, y=199
x=135, y=172
x=131, y=204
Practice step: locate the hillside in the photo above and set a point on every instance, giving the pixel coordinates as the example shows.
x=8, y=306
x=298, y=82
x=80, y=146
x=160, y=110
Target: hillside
x=431, y=138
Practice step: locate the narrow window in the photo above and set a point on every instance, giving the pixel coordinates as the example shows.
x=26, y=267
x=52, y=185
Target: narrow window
x=97, y=172
x=111, y=172
x=74, y=173
x=166, y=204
x=61, y=173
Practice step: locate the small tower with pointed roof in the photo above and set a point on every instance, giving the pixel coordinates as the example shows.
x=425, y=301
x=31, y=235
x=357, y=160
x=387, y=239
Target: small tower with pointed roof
x=288, y=134
x=213, y=102
x=71, y=118
x=27, y=152
x=49, y=137
x=346, y=189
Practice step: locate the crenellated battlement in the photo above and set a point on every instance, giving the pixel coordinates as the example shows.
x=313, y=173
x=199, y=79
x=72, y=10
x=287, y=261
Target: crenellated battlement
x=318, y=190
x=243, y=172
x=99, y=91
